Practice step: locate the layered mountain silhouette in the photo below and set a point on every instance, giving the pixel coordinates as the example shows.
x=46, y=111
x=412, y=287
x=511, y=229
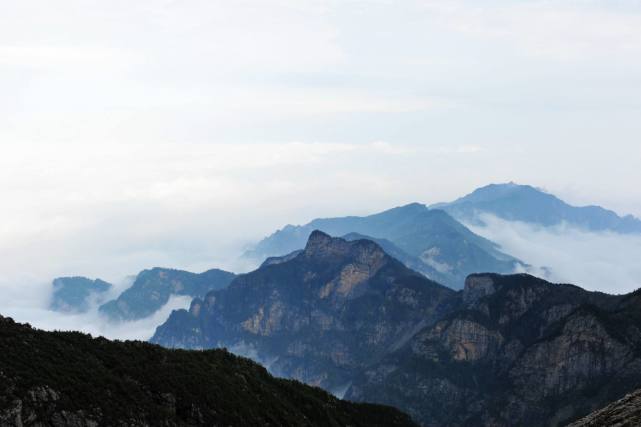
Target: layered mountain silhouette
x=525, y=203
x=440, y=247
x=75, y=294
x=71, y=379
x=319, y=317
x=152, y=289
x=506, y=350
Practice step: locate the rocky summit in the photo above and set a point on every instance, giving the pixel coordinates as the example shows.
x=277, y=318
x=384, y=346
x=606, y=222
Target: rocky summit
x=320, y=317
x=70, y=379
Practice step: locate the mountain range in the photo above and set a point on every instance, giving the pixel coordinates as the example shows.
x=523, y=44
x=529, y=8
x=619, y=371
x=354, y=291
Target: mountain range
x=318, y=317
x=344, y=315
x=70, y=379
x=357, y=306
x=513, y=202
x=440, y=247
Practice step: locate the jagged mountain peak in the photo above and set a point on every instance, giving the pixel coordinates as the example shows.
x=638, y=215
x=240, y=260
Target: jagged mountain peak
x=322, y=245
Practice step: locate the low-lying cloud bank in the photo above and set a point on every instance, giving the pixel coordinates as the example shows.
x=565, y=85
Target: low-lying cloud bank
x=28, y=303
x=607, y=262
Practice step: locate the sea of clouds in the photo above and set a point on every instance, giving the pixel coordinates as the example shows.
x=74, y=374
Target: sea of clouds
x=598, y=261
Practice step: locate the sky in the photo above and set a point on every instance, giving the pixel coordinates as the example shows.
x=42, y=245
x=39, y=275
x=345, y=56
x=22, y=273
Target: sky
x=175, y=133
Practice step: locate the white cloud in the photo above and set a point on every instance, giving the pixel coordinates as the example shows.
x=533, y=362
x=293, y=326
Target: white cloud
x=607, y=262
x=92, y=323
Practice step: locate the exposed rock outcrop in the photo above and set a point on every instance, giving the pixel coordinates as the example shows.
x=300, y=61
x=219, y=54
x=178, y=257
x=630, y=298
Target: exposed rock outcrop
x=625, y=412
x=518, y=351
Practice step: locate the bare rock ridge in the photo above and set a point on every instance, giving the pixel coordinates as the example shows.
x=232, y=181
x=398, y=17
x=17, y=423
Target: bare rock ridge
x=70, y=379
x=625, y=412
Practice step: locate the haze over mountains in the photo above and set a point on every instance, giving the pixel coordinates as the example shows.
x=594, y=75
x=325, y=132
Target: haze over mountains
x=152, y=288
x=426, y=240
x=507, y=350
x=513, y=202
x=404, y=308
x=441, y=247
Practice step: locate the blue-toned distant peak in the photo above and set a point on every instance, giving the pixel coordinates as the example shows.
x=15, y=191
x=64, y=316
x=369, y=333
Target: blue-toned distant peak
x=515, y=202
x=427, y=240
x=75, y=294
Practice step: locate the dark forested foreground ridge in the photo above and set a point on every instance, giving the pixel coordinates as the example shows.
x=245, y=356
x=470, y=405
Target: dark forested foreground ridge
x=506, y=350
x=71, y=379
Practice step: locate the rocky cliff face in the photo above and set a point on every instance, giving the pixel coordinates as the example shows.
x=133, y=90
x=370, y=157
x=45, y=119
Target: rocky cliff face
x=153, y=288
x=625, y=412
x=69, y=379
x=518, y=351
x=319, y=316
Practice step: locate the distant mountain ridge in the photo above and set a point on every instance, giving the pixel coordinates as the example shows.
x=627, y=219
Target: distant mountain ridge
x=514, y=202
x=152, y=289
x=74, y=294
x=441, y=247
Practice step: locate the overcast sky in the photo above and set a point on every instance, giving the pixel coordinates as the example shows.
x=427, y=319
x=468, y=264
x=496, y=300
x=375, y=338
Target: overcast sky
x=142, y=133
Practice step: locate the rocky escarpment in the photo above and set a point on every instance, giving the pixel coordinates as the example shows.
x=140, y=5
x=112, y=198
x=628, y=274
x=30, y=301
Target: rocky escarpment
x=153, y=288
x=517, y=351
x=319, y=316
x=625, y=412
x=70, y=379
